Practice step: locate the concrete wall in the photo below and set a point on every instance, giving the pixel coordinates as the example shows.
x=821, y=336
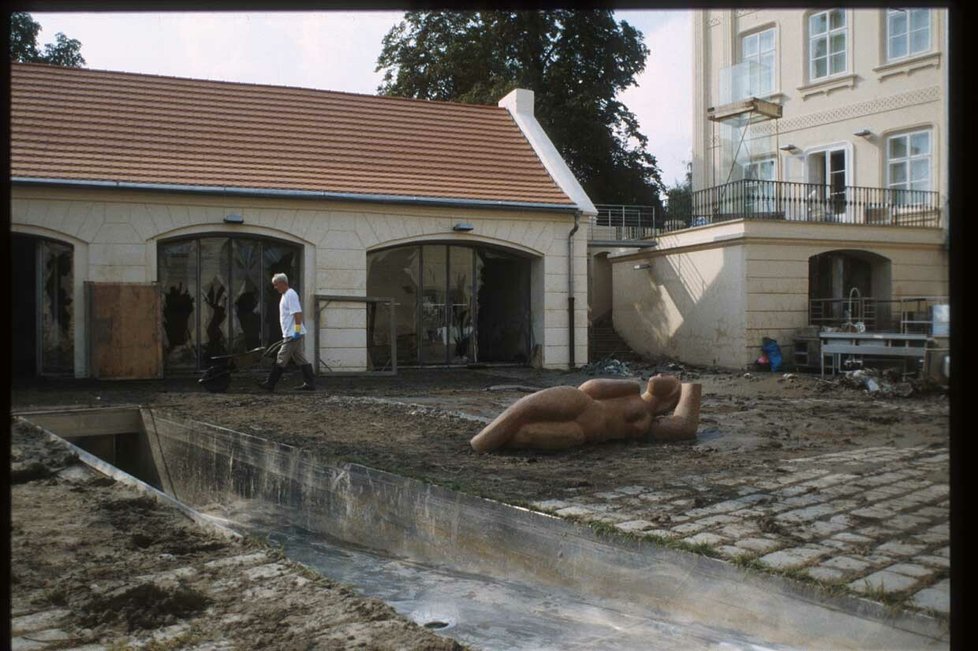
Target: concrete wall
x=712, y=293
x=873, y=94
x=116, y=233
x=687, y=305
x=601, y=285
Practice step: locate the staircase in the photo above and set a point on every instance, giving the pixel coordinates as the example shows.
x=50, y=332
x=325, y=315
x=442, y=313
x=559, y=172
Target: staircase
x=604, y=343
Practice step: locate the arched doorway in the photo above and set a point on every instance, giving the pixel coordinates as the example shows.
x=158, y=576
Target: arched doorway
x=218, y=297
x=848, y=286
x=42, y=315
x=455, y=305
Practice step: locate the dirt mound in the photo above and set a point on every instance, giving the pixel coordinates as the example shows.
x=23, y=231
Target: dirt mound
x=144, y=606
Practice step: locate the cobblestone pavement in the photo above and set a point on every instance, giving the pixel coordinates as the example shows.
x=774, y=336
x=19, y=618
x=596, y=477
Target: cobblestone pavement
x=872, y=521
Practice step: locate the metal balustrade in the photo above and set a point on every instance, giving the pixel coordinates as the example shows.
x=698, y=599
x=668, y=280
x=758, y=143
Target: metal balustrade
x=770, y=200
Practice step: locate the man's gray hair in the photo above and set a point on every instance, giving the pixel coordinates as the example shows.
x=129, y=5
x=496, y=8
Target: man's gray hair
x=280, y=278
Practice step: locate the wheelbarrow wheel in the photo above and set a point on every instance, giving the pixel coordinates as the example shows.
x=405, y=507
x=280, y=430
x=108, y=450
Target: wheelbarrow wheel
x=217, y=378
x=217, y=383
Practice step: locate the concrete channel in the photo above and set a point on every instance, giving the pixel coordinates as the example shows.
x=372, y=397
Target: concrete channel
x=488, y=574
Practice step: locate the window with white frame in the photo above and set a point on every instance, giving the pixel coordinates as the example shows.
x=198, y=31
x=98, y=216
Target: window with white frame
x=907, y=33
x=758, y=51
x=828, y=37
x=760, y=193
x=761, y=169
x=908, y=164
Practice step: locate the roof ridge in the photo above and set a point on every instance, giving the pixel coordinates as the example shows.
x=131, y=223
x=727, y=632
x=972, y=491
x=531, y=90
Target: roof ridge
x=244, y=84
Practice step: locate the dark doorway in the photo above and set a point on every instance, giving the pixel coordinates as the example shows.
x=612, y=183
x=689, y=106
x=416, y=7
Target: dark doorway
x=455, y=305
x=42, y=307
x=849, y=286
x=504, y=308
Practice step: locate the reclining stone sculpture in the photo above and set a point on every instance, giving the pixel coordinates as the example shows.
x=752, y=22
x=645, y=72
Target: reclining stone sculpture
x=598, y=410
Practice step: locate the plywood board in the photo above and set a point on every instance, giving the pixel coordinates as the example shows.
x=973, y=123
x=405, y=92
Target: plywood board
x=126, y=341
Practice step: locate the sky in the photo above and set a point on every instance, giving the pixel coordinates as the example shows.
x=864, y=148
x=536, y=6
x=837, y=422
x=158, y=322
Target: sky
x=335, y=50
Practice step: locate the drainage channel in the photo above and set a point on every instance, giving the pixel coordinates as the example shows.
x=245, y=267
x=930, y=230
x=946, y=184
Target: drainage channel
x=490, y=575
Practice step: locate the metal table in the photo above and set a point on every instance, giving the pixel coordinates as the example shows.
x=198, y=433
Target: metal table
x=872, y=344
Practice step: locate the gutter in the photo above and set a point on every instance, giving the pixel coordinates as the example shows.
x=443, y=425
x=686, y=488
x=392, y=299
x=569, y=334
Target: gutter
x=230, y=191
x=570, y=288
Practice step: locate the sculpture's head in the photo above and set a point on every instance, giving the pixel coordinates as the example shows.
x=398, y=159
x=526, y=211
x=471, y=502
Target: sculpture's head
x=662, y=393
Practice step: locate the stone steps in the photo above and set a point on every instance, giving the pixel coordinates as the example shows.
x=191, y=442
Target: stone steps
x=605, y=343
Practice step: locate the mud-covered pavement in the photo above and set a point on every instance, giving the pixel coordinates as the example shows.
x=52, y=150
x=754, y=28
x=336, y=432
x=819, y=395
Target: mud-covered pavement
x=97, y=565
x=418, y=424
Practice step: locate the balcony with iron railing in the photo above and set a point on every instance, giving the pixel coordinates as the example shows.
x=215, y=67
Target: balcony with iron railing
x=751, y=199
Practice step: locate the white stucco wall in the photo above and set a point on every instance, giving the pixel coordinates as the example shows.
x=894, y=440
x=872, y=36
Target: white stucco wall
x=116, y=233
x=688, y=305
x=710, y=294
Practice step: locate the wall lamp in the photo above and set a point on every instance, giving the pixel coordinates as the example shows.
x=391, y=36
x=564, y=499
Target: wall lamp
x=643, y=265
x=863, y=133
x=233, y=218
x=462, y=227
x=790, y=148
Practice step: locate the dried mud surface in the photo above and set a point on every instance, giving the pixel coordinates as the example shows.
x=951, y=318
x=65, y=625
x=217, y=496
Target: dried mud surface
x=419, y=424
x=106, y=566
x=416, y=424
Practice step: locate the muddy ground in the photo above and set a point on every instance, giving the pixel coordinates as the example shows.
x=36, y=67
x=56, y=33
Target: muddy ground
x=748, y=421
x=418, y=424
x=98, y=565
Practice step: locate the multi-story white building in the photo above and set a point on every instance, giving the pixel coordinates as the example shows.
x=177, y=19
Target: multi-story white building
x=820, y=173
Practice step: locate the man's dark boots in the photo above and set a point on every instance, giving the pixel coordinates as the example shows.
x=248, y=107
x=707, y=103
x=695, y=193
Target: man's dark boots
x=308, y=380
x=272, y=379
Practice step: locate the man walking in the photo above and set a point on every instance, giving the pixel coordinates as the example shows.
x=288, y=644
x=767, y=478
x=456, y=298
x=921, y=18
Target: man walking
x=290, y=318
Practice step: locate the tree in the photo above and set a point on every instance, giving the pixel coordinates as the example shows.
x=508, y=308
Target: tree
x=576, y=62
x=23, y=44
x=679, y=198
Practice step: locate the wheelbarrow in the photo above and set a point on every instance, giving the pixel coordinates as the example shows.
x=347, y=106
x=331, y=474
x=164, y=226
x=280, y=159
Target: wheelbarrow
x=217, y=377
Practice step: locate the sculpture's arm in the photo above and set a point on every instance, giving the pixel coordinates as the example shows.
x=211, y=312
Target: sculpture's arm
x=684, y=421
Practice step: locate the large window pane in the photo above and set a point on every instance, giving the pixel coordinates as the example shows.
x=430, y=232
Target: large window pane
x=838, y=63
x=818, y=24
x=394, y=274
x=919, y=173
x=919, y=144
x=247, y=284
x=178, y=280
x=460, y=301
x=821, y=68
x=218, y=297
x=434, y=304
x=827, y=39
x=455, y=305
x=503, y=293
x=909, y=161
x=898, y=47
x=215, y=258
x=837, y=19
x=57, y=309
x=278, y=258
x=920, y=41
x=908, y=32
x=898, y=147
x=766, y=40
x=757, y=50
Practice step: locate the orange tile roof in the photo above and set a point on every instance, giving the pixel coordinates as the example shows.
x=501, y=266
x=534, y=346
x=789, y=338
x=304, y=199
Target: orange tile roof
x=79, y=124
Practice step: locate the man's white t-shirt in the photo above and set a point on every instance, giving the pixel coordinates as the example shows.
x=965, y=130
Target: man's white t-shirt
x=288, y=305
